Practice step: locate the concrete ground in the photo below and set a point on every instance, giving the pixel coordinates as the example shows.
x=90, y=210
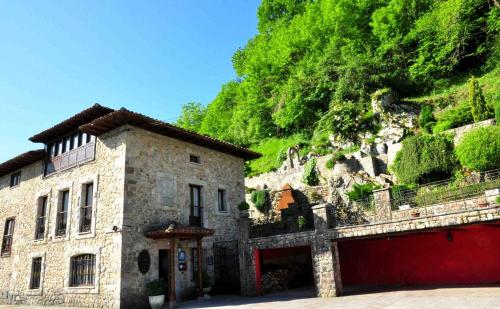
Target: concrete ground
x=482, y=297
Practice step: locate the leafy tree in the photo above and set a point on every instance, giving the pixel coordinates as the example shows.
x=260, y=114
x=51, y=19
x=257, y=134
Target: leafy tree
x=480, y=110
x=192, y=116
x=426, y=119
x=425, y=158
x=479, y=149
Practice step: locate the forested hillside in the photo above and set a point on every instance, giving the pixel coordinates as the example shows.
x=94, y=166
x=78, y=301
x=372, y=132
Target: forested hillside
x=313, y=66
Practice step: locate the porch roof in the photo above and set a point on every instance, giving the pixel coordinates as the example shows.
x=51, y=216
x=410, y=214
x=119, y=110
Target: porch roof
x=173, y=229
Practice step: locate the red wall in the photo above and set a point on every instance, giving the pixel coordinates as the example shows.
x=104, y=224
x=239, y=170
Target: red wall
x=427, y=258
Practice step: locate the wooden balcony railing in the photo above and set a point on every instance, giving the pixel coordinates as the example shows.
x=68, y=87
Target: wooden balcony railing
x=71, y=158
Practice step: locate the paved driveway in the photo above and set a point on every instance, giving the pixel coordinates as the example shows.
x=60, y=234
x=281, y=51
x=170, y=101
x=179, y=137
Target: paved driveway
x=435, y=298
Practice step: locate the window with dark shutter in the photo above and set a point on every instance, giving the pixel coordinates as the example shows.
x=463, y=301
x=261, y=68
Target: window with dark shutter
x=86, y=208
x=41, y=218
x=62, y=214
x=222, y=200
x=8, y=233
x=195, y=205
x=36, y=273
x=82, y=270
x=15, y=179
x=194, y=159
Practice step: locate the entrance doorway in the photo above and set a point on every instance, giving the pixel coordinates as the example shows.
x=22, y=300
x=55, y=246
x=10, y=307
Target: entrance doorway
x=164, y=268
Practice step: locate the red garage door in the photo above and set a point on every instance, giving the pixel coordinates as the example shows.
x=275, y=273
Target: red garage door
x=465, y=255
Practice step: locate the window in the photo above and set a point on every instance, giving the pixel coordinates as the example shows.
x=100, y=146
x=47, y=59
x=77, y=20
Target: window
x=86, y=208
x=40, y=218
x=15, y=179
x=36, y=273
x=196, y=209
x=62, y=214
x=7, y=237
x=82, y=270
x=194, y=263
x=194, y=159
x=221, y=194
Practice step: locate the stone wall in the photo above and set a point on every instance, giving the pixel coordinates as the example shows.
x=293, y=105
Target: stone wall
x=158, y=175
x=459, y=132
x=107, y=173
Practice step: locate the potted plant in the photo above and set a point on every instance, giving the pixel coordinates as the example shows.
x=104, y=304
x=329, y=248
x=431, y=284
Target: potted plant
x=207, y=284
x=243, y=207
x=415, y=214
x=483, y=203
x=156, y=292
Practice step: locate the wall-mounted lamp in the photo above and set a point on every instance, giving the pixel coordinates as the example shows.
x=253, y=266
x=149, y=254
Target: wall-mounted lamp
x=449, y=236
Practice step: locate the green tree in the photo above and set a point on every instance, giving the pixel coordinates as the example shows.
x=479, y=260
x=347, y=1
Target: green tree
x=192, y=116
x=479, y=108
x=479, y=149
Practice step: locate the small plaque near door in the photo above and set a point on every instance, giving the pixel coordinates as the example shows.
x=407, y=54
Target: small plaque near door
x=144, y=261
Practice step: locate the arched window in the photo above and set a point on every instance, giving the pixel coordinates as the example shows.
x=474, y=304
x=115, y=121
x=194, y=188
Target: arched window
x=82, y=270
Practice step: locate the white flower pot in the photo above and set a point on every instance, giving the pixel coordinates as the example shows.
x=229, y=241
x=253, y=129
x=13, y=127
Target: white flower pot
x=156, y=302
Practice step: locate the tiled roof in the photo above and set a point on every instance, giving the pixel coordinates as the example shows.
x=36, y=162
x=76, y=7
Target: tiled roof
x=175, y=229
x=21, y=160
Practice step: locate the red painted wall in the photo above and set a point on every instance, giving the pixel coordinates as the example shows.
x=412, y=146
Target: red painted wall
x=258, y=275
x=427, y=258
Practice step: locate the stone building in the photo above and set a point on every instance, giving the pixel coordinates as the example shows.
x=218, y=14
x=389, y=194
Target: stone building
x=113, y=201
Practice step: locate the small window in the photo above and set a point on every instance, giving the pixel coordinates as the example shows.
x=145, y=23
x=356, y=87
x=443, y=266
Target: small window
x=194, y=159
x=62, y=214
x=40, y=218
x=222, y=200
x=8, y=232
x=86, y=208
x=15, y=179
x=36, y=273
x=82, y=270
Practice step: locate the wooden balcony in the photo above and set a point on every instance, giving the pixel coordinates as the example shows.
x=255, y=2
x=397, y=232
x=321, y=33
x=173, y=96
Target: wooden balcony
x=70, y=159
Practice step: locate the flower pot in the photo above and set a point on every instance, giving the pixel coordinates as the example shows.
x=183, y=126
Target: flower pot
x=156, y=302
x=482, y=204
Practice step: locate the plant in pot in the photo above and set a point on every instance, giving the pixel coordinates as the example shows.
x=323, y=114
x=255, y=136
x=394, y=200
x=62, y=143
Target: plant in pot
x=243, y=207
x=207, y=284
x=156, y=292
x=415, y=213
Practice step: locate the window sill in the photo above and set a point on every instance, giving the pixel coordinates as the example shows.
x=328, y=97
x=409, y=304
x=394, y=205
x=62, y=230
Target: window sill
x=5, y=255
x=34, y=292
x=81, y=290
x=223, y=213
x=14, y=187
x=85, y=235
x=41, y=241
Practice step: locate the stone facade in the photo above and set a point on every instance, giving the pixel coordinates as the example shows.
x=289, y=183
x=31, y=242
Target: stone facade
x=140, y=179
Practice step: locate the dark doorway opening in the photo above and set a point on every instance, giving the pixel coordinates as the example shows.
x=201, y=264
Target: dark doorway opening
x=164, y=268
x=286, y=268
x=226, y=267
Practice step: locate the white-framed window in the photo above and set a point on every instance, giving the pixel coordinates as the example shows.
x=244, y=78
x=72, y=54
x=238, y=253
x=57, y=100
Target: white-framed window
x=36, y=273
x=41, y=217
x=62, y=213
x=82, y=270
x=86, y=208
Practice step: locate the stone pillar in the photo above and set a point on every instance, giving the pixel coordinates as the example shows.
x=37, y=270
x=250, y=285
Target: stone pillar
x=246, y=258
x=382, y=199
x=325, y=256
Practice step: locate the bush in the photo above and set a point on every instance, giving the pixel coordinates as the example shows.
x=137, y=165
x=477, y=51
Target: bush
x=425, y=158
x=480, y=110
x=454, y=117
x=361, y=191
x=479, y=149
x=259, y=199
x=344, y=119
x=156, y=288
x=243, y=206
x=497, y=112
x=426, y=119
x=330, y=164
x=310, y=176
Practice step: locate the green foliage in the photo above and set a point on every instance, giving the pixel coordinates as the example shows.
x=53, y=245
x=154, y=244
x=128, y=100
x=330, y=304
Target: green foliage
x=156, y=287
x=310, y=176
x=301, y=222
x=260, y=199
x=273, y=152
x=480, y=110
x=479, y=149
x=243, y=206
x=497, y=112
x=361, y=191
x=337, y=156
x=426, y=119
x=453, y=117
x=498, y=199
x=191, y=117
x=424, y=158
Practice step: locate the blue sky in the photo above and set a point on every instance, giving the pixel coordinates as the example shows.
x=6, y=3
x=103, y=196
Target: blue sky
x=59, y=57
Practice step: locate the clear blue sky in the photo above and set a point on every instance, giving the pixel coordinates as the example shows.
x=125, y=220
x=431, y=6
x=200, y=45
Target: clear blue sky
x=59, y=57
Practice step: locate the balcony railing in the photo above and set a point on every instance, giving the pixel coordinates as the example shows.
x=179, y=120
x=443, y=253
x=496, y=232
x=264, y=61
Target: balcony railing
x=71, y=158
x=432, y=199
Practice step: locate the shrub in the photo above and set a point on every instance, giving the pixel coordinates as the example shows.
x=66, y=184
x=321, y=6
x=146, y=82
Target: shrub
x=480, y=110
x=453, y=118
x=243, y=206
x=497, y=112
x=361, y=191
x=301, y=222
x=424, y=158
x=342, y=119
x=310, y=176
x=479, y=149
x=426, y=119
x=156, y=287
x=330, y=164
x=259, y=199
